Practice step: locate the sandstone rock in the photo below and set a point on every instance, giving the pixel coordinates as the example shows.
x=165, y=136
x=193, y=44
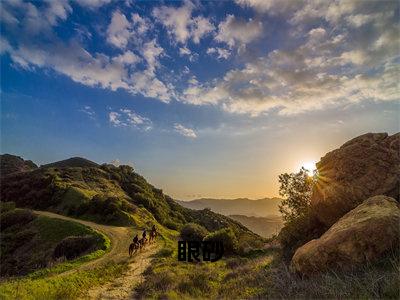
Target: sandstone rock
x=363, y=167
x=362, y=235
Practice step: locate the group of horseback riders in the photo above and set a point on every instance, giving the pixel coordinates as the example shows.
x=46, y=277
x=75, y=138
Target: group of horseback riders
x=138, y=244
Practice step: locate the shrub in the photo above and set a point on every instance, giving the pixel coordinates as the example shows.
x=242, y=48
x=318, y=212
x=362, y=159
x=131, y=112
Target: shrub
x=16, y=216
x=193, y=232
x=299, y=231
x=74, y=246
x=6, y=206
x=227, y=237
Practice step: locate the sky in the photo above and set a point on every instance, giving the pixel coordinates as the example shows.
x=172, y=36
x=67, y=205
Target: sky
x=204, y=99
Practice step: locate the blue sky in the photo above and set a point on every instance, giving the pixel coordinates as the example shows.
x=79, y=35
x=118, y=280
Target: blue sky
x=205, y=99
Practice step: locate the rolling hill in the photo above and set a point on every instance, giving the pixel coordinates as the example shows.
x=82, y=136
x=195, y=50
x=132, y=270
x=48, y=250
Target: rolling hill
x=109, y=195
x=265, y=207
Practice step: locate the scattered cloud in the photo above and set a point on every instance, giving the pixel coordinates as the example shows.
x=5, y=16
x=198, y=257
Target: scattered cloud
x=219, y=52
x=238, y=32
x=337, y=53
x=348, y=60
x=129, y=118
x=92, y=4
x=88, y=111
x=179, y=22
x=118, y=31
x=187, y=132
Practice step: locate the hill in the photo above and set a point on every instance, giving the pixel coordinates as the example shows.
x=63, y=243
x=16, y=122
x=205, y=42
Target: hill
x=263, y=226
x=30, y=242
x=265, y=207
x=72, y=162
x=10, y=164
x=107, y=194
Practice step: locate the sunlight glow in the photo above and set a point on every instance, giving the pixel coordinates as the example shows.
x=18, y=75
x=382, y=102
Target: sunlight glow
x=309, y=165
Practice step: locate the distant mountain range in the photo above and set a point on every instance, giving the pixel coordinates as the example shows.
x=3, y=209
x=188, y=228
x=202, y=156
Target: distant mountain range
x=261, y=216
x=266, y=207
x=265, y=227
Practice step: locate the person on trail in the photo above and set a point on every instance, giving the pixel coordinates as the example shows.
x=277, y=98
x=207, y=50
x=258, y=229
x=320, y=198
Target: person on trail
x=144, y=234
x=153, y=228
x=135, y=239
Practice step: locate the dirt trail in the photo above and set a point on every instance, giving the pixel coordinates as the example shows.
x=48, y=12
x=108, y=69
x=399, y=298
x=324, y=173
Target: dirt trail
x=120, y=237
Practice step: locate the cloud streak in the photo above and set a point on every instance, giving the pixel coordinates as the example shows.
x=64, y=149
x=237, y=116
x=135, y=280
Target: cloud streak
x=186, y=132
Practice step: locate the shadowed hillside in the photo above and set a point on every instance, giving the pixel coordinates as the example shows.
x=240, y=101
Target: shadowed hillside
x=10, y=164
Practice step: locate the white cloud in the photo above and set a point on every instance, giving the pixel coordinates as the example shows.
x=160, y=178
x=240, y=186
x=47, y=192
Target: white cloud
x=127, y=58
x=129, y=118
x=179, y=23
x=328, y=69
x=92, y=4
x=234, y=31
x=113, y=117
x=118, y=32
x=200, y=26
x=88, y=111
x=219, y=52
x=187, y=132
x=184, y=51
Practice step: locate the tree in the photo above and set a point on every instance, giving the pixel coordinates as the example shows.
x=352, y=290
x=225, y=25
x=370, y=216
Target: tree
x=296, y=188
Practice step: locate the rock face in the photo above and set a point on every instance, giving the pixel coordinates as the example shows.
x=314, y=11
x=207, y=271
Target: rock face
x=363, y=167
x=362, y=235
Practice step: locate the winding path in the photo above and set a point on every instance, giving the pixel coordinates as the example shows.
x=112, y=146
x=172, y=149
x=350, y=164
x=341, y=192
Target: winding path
x=120, y=237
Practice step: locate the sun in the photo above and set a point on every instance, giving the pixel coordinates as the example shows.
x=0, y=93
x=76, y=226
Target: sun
x=309, y=165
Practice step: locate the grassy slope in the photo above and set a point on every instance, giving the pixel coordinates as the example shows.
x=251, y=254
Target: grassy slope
x=262, y=274
x=44, y=283
x=110, y=195
x=28, y=245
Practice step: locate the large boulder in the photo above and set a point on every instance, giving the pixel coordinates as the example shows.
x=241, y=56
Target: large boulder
x=363, y=235
x=363, y=167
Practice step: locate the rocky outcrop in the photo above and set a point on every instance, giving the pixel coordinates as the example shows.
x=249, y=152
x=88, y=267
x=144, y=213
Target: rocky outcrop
x=363, y=167
x=362, y=235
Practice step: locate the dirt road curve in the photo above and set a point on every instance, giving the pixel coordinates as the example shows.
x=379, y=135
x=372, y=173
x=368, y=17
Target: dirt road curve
x=122, y=287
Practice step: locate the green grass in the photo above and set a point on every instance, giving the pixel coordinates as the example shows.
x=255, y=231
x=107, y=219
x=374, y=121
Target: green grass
x=263, y=274
x=70, y=286
x=28, y=247
x=53, y=230
x=72, y=264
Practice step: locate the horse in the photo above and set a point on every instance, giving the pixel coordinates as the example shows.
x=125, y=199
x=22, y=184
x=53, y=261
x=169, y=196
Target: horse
x=153, y=235
x=133, y=247
x=142, y=242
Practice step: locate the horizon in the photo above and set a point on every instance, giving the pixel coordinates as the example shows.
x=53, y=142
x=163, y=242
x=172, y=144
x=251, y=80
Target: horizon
x=203, y=99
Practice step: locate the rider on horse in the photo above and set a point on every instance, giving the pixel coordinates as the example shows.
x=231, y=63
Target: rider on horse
x=135, y=239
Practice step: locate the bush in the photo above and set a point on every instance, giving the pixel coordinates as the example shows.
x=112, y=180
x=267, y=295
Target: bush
x=193, y=232
x=16, y=216
x=299, y=231
x=227, y=237
x=74, y=246
x=6, y=206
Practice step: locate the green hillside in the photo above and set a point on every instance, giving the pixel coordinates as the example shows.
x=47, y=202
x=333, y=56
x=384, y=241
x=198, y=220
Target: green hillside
x=107, y=194
x=30, y=242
